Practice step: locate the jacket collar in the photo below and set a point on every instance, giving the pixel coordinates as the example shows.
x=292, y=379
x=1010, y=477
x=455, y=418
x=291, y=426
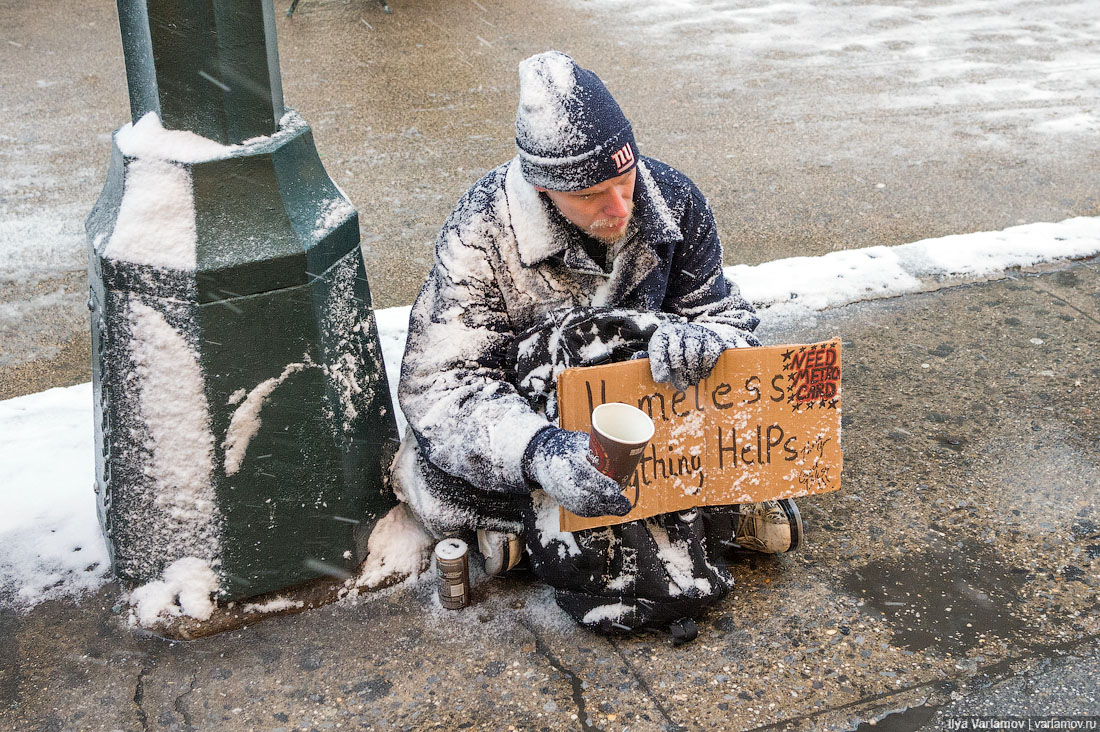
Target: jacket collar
x=539, y=237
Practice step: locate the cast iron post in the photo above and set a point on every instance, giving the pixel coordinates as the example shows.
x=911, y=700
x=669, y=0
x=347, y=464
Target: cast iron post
x=242, y=409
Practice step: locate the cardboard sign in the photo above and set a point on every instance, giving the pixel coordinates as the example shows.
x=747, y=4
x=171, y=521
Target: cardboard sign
x=765, y=424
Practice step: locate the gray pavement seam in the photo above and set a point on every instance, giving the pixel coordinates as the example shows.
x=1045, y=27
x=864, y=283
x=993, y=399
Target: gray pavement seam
x=11, y=671
x=575, y=681
x=992, y=674
x=178, y=704
x=139, y=698
x=938, y=685
x=645, y=686
x=1062, y=301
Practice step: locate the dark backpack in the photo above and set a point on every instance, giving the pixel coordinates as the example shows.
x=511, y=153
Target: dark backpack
x=643, y=575
x=653, y=574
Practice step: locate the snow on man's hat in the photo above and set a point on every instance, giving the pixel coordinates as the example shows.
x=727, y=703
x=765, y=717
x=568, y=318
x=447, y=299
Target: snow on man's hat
x=570, y=132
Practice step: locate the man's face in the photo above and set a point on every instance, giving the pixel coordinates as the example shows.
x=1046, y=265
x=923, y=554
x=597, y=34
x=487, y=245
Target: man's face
x=602, y=211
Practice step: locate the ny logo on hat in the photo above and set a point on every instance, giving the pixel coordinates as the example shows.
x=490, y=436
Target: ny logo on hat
x=623, y=158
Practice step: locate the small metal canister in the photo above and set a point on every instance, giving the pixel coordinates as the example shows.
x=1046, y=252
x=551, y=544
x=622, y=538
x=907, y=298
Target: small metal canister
x=453, y=570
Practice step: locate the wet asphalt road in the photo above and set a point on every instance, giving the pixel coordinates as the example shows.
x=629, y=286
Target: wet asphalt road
x=811, y=127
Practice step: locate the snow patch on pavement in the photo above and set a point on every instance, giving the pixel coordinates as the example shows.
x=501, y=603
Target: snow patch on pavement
x=41, y=243
x=398, y=545
x=186, y=589
x=798, y=286
x=929, y=55
x=988, y=253
x=275, y=605
x=52, y=544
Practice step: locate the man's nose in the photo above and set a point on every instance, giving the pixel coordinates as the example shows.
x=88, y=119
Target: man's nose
x=616, y=205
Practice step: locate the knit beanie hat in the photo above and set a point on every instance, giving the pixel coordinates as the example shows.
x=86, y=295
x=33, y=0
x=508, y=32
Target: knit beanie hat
x=570, y=132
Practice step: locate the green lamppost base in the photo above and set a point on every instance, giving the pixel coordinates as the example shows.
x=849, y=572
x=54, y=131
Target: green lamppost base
x=242, y=407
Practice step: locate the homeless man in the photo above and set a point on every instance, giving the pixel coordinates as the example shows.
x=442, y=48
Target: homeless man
x=579, y=251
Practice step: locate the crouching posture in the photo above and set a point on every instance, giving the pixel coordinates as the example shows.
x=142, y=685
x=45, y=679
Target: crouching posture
x=579, y=251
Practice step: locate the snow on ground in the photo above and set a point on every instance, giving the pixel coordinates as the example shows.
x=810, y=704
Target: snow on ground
x=43, y=248
x=1018, y=57
x=48, y=526
x=799, y=285
x=43, y=281
x=397, y=545
x=185, y=589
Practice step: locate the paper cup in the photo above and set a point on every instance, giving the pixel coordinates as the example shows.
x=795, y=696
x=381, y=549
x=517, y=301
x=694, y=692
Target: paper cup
x=618, y=438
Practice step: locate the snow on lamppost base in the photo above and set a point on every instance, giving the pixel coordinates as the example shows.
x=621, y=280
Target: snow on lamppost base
x=242, y=411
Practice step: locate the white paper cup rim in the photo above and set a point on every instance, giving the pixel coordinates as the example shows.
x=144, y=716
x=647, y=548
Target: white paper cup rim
x=623, y=423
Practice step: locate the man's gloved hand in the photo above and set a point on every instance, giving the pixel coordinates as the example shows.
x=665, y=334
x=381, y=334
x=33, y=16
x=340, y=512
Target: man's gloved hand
x=683, y=353
x=558, y=460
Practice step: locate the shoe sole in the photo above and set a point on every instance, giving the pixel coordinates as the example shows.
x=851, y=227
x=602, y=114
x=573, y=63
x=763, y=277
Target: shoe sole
x=794, y=518
x=501, y=558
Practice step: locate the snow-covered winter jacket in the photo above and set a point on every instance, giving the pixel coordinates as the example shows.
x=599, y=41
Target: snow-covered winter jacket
x=505, y=258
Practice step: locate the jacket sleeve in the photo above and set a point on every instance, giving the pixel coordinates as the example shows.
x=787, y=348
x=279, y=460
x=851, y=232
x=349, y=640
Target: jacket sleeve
x=697, y=288
x=467, y=417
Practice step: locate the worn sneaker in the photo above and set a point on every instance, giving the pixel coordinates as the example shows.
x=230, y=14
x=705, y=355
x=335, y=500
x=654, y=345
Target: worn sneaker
x=500, y=550
x=771, y=527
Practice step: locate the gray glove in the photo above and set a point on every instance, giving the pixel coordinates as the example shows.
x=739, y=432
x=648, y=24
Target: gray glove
x=559, y=461
x=683, y=353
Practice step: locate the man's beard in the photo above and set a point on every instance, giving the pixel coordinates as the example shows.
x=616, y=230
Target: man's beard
x=602, y=229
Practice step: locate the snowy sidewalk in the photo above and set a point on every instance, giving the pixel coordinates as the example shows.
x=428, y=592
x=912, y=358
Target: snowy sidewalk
x=955, y=572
